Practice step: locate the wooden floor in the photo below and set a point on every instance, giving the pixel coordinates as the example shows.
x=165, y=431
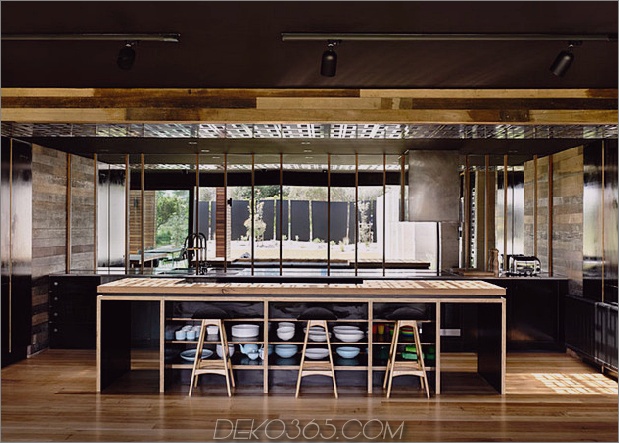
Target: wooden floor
x=550, y=397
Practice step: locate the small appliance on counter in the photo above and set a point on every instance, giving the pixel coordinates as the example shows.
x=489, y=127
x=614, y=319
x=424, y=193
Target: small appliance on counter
x=520, y=264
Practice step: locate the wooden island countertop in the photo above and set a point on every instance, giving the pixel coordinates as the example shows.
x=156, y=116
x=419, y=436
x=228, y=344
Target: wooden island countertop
x=369, y=288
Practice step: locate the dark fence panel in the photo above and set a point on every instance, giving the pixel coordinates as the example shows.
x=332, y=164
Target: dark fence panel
x=278, y=234
x=204, y=217
x=319, y=220
x=268, y=217
x=299, y=224
x=240, y=213
x=213, y=218
x=351, y=223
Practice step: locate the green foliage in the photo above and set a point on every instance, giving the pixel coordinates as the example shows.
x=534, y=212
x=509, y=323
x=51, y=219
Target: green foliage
x=259, y=224
x=365, y=225
x=172, y=217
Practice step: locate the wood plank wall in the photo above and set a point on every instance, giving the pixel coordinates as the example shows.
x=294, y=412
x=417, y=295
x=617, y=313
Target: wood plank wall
x=567, y=223
x=222, y=236
x=82, y=213
x=49, y=183
x=567, y=206
x=480, y=216
x=49, y=223
x=135, y=217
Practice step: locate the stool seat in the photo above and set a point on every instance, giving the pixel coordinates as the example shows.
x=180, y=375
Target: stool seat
x=317, y=316
x=396, y=367
x=212, y=316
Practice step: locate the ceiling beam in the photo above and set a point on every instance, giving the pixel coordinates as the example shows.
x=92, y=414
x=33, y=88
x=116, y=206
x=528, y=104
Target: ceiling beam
x=423, y=106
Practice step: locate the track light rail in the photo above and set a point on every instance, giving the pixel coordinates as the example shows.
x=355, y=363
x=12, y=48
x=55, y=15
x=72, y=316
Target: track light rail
x=313, y=36
x=166, y=37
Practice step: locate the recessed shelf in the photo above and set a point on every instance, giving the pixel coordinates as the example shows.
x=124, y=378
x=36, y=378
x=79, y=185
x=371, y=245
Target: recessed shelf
x=370, y=345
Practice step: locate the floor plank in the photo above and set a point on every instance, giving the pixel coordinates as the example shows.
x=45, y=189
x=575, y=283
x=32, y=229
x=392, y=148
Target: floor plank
x=550, y=397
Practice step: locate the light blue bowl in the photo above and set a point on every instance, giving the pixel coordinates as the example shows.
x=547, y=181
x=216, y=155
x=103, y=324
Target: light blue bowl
x=348, y=351
x=285, y=351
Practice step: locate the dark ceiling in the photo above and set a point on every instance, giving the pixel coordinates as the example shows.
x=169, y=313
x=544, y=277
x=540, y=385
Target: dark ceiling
x=239, y=45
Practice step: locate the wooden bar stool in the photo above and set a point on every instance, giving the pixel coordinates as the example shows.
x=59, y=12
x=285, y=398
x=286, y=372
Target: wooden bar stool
x=316, y=317
x=212, y=316
x=405, y=317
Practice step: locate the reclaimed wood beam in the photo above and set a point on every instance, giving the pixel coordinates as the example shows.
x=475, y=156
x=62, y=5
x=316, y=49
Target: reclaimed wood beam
x=430, y=116
x=570, y=106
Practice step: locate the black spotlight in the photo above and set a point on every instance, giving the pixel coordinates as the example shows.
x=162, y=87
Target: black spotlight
x=329, y=61
x=563, y=61
x=126, y=56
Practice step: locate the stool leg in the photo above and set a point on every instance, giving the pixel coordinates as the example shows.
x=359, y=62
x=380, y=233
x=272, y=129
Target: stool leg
x=394, y=342
x=224, y=354
x=228, y=361
x=330, y=358
x=391, y=349
x=302, y=358
x=196, y=360
x=422, y=365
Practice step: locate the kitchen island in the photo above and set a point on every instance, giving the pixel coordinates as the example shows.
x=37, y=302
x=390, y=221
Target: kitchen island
x=366, y=305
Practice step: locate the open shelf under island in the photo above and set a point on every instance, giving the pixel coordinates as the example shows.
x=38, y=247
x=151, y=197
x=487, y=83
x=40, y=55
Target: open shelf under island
x=265, y=304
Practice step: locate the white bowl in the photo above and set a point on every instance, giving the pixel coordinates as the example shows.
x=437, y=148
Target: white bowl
x=230, y=350
x=245, y=330
x=316, y=353
x=347, y=351
x=349, y=337
x=285, y=329
x=318, y=337
x=285, y=351
x=285, y=334
x=286, y=324
x=212, y=330
x=345, y=328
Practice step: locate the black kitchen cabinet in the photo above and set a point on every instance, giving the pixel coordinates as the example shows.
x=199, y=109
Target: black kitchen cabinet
x=73, y=310
x=591, y=330
x=534, y=313
x=534, y=316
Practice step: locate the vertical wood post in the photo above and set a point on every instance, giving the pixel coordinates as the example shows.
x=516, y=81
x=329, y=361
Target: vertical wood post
x=550, y=212
x=505, y=184
x=142, y=212
x=127, y=214
x=281, y=213
x=384, y=205
x=602, y=216
x=535, y=197
x=467, y=213
x=95, y=213
x=486, y=208
x=356, y=213
x=69, y=205
x=328, y=214
x=252, y=211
